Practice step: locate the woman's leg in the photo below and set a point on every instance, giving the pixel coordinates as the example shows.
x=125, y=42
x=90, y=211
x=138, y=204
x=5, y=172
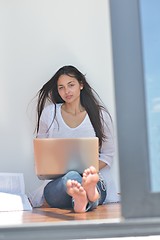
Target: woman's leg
x=95, y=188
x=55, y=192
x=89, y=182
x=78, y=194
x=86, y=196
x=102, y=189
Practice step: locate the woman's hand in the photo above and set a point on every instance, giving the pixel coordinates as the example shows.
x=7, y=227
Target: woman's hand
x=102, y=164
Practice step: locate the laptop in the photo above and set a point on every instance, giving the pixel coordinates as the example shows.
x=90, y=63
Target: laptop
x=56, y=156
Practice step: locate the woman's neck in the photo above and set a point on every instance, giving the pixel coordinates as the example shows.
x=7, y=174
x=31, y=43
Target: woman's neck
x=73, y=109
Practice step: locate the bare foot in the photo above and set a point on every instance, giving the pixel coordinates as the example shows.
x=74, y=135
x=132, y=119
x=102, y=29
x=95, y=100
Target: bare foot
x=75, y=190
x=89, y=181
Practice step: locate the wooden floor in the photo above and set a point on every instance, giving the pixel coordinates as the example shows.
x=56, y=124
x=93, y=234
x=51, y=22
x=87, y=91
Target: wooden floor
x=44, y=215
x=51, y=223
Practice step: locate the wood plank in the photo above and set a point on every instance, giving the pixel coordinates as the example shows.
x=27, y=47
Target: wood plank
x=44, y=215
x=51, y=223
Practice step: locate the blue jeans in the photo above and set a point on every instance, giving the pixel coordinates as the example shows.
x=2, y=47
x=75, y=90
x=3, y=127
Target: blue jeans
x=55, y=192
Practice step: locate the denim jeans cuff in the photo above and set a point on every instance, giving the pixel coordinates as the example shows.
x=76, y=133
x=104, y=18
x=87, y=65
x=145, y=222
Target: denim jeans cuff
x=102, y=189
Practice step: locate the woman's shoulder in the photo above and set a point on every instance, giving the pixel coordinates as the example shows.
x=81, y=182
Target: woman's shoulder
x=51, y=107
x=49, y=110
x=106, y=115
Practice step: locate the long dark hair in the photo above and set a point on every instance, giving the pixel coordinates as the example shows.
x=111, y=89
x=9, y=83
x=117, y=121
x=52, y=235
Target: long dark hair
x=89, y=99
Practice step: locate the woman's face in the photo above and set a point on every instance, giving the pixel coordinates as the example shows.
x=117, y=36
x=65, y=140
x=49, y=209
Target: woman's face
x=69, y=88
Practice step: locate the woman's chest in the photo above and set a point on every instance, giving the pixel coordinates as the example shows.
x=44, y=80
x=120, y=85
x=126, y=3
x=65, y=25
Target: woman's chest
x=73, y=121
x=61, y=129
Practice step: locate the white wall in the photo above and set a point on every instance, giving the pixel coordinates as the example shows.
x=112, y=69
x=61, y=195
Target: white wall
x=38, y=37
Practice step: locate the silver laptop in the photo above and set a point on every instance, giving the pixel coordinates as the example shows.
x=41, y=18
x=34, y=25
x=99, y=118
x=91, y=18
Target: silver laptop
x=56, y=156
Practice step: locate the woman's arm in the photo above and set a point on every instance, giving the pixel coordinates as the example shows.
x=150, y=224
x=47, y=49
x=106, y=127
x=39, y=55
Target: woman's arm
x=107, y=150
x=45, y=121
x=102, y=164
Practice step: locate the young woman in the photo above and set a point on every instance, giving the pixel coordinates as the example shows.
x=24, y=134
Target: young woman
x=68, y=108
